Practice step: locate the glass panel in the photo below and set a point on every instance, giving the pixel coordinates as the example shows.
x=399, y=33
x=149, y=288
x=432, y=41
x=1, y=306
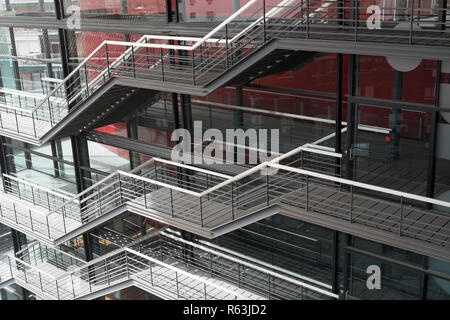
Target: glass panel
x=392, y=147
x=397, y=283
x=147, y=10
x=286, y=243
x=442, y=176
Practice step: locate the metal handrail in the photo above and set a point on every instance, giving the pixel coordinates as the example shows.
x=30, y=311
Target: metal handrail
x=37, y=186
x=361, y=185
x=158, y=238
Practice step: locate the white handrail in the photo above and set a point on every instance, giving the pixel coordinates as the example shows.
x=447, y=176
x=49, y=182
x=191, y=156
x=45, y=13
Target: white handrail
x=250, y=265
x=362, y=185
x=19, y=180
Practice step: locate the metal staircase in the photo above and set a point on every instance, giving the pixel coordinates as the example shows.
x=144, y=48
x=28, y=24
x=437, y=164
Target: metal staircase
x=304, y=183
x=242, y=48
x=162, y=264
x=203, y=202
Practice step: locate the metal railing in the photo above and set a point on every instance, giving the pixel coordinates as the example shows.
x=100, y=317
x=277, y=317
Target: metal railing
x=304, y=178
x=161, y=263
x=198, y=61
x=53, y=214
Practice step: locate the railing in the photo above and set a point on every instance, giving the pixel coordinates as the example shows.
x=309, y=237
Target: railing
x=198, y=61
x=61, y=214
x=400, y=213
x=304, y=178
x=36, y=194
x=159, y=262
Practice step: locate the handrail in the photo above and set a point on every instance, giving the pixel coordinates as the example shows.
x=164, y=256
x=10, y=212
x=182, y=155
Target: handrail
x=37, y=186
x=132, y=175
x=31, y=266
x=225, y=22
x=123, y=43
x=181, y=271
x=250, y=265
x=361, y=185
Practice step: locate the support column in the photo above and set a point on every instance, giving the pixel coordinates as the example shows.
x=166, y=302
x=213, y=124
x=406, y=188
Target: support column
x=396, y=117
x=338, y=112
x=433, y=133
x=353, y=62
x=186, y=112
x=3, y=161
x=132, y=133
x=15, y=62
x=238, y=116
x=83, y=178
x=19, y=240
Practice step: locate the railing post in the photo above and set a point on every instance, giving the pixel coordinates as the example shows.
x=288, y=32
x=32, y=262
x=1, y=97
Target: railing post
x=401, y=217
x=50, y=113
x=31, y=220
x=86, y=75
x=171, y=203
x=201, y=211
x=226, y=45
x=107, y=60
x=25, y=273
x=239, y=275
x=32, y=195
x=264, y=21
x=73, y=287
x=133, y=62
x=412, y=23
x=99, y=201
x=176, y=279
x=57, y=289
x=351, y=203
x=48, y=226
x=126, y=262
x=17, y=121
x=307, y=19
x=10, y=267
x=107, y=272
x=34, y=125
x=232, y=201
x=151, y=272
x=193, y=67
x=120, y=190
x=64, y=219
x=307, y=192
x=204, y=289
x=162, y=63
x=40, y=281
x=356, y=18
x=15, y=212
x=267, y=189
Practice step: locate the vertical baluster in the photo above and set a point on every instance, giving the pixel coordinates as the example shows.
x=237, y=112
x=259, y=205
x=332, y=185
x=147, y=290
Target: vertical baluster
x=351, y=204
x=176, y=279
x=226, y=45
x=264, y=22
x=307, y=193
x=107, y=60
x=193, y=67
x=133, y=62
x=201, y=211
x=401, y=217
x=171, y=203
x=412, y=23
x=162, y=63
